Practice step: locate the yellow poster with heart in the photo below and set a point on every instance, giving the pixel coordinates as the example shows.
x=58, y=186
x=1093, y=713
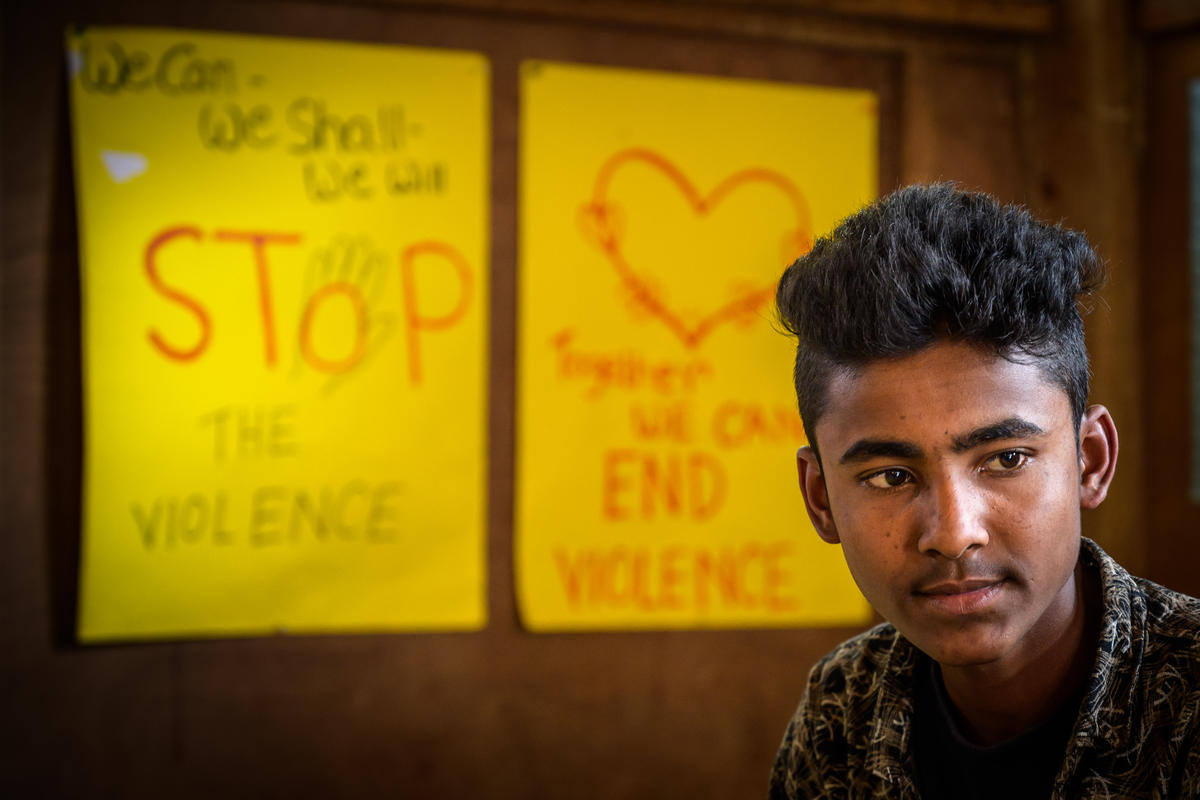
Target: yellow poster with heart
x=656, y=432
x=283, y=249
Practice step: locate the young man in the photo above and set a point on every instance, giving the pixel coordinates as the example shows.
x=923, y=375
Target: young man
x=942, y=376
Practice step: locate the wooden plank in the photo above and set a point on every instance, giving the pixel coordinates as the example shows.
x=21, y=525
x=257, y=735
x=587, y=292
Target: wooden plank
x=960, y=121
x=1020, y=16
x=1170, y=517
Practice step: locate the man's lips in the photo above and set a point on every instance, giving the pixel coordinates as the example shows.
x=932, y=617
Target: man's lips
x=959, y=597
x=958, y=587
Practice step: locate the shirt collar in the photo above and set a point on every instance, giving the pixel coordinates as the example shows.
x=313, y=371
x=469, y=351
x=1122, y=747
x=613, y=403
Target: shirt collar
x=1108, y=709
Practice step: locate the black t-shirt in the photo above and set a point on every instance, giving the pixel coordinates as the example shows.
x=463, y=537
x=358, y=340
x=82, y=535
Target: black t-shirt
x=949, y=766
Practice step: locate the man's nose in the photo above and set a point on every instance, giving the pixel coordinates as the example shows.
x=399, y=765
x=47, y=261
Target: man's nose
x=952, y=518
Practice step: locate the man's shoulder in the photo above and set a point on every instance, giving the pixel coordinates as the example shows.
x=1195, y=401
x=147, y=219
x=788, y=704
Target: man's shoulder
x=847, y=737
x=1142, y=711
x=1169, y=612
x=1171, y=633
x=1165, y=730
x=1156, y=622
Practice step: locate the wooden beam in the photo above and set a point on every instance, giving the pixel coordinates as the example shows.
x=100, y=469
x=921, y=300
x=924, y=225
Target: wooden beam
x=1018, y=16
x=982, y=26
x=1082, y=117
x=1162, y=16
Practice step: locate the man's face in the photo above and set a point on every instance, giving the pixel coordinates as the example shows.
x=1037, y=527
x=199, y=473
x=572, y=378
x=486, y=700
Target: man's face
x=953, y=480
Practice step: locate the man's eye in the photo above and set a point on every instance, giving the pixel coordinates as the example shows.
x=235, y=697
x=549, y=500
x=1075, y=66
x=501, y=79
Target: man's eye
x=1006, y=461
x=888, y=478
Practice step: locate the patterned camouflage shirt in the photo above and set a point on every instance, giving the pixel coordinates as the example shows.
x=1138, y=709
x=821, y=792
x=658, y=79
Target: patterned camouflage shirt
x=1137, y=734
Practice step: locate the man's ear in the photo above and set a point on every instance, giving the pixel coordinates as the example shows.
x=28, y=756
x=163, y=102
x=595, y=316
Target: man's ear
x=1097, y=455
x=816, y=496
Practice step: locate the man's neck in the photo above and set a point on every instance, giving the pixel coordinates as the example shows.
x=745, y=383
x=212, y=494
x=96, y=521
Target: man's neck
x=1003, y=699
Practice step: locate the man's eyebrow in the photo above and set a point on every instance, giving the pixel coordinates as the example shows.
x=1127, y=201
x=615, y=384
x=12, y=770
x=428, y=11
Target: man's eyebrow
x=865, y=449
x=1011, y=428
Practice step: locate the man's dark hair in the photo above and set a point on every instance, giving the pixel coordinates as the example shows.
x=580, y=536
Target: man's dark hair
x=930, y=263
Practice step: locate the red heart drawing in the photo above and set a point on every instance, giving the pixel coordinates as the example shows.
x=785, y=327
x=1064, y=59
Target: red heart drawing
x=603, y=223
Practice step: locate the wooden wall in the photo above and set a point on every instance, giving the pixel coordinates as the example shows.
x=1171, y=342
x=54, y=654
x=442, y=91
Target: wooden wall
x=1171, y=519
x=1036, y=101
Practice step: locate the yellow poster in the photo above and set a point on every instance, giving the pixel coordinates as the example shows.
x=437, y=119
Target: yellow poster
x=656, y=482
x=283, y=250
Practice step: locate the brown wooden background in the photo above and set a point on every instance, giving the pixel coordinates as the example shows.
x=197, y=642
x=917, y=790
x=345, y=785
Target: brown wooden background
x=1075, y=108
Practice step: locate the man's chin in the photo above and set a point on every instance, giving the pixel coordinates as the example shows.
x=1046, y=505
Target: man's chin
x=969, y=652
x=963, y=660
